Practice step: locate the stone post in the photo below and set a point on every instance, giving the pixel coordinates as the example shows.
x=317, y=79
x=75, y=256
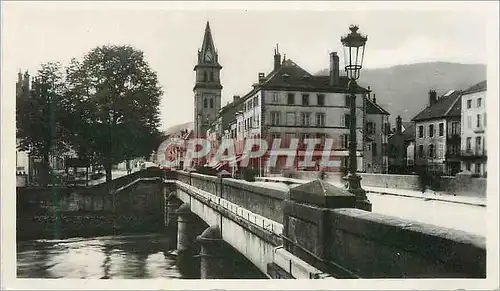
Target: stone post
x=306, y=223
x=211, y=254
x=186, y=241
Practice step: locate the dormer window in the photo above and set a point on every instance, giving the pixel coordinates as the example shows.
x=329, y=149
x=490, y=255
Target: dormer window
x=285, y=77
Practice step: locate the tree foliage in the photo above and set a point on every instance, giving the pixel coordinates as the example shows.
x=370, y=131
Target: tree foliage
x=115, y=99
x=105, y=107
x=39, y=129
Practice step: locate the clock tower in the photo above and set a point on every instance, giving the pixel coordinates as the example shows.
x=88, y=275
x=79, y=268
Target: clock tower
x=207, y=89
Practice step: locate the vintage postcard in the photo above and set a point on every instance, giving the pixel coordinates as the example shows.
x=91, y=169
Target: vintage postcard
x=226, y=145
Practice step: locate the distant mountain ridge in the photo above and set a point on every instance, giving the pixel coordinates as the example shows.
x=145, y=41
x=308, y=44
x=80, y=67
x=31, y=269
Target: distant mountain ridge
x=404, y=89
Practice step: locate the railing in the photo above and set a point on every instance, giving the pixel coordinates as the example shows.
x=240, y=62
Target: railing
x=474, y=153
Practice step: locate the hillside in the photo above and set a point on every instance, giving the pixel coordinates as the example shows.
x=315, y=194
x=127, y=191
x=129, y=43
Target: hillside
x=403, y=89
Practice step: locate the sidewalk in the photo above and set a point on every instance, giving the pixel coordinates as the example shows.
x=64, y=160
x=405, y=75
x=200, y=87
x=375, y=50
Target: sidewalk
x=428, y=195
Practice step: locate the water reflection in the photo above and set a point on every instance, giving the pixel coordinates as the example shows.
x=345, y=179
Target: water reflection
x=112, y=257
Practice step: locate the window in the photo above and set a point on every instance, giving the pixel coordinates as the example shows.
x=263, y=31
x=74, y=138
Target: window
x=469, y=104
x=347, y=119
x=370, y=129
x=420, y=131
x=205, y=103
x=369, y=147
x=478, y=144
x=256, y=101
x=211, y=103
x=290, y=118
x=305, y=118
x=320, y=119
x=204, y=76
x=275, y=118
x=468, y=166
x=479, y=101
x=441, y=129
x=484, y=119
x=468, y=144
x=469, y=122
x=276, y=97
x=431, y=151
x=345, y=141
x=454, y=128
x=421, y=151
x=211, y=76
x=374, y=149
x=275, y=136
x=477, y=168
x=478, y=120
x=440, y=151
x=305, y=99
x=291, y=99
x=431, y=130
x=321, y=100
x=347, y=101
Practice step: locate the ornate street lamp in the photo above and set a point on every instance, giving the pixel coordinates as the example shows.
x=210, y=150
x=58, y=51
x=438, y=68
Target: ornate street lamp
x=354, y=50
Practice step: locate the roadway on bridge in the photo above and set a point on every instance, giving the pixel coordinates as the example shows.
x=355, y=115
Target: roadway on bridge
x=464, y=217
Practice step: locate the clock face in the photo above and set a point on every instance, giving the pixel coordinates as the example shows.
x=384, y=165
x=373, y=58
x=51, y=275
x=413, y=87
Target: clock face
x=208, y=56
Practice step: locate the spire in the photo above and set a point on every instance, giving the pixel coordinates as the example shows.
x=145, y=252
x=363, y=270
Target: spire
x=208, y=45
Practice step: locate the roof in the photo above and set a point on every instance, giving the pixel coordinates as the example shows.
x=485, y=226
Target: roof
x=446, y=106
x=479, y=87
x=374, y=108
x=292, y=77
x=228, y=112
x=409, y=132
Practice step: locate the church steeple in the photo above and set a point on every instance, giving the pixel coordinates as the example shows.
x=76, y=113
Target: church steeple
x=207, y=88
x=208, y=54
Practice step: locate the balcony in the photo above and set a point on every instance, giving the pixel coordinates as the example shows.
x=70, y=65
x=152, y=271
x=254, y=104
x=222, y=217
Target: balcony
x=474, y=154
x=479, y=130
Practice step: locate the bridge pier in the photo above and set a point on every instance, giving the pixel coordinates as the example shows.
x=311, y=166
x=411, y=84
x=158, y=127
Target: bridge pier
x=173, y=204
x=188, y=227
x=211, y=254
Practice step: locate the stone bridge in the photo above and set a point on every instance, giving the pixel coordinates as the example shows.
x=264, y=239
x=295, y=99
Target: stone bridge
x=311, y=231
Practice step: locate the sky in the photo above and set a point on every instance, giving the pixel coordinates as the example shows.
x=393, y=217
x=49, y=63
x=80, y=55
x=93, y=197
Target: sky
x=245, y=34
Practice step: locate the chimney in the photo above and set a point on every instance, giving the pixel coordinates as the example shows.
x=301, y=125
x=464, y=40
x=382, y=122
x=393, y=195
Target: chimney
x=277, y=58
x=399, y=125
x=334, y=68
x=374, y=99
x=432, y=97
x=262, y=77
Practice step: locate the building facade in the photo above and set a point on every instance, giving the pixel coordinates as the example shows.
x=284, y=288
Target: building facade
x=436, y=146
x=473, y=130
x=401, y=148
x=376, y=134
x=291, y=103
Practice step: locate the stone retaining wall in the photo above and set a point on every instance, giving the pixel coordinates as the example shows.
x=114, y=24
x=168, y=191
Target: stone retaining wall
x=462, y=186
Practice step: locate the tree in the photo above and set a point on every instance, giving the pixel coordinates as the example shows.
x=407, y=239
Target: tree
x=116, y=97
x=39, y=115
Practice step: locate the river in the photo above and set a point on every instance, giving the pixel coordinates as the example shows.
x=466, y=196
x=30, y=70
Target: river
x=109, y=257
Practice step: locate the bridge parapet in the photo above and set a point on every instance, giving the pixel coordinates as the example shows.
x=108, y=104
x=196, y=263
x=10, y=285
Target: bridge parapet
x=322, y=228
x=253, y=197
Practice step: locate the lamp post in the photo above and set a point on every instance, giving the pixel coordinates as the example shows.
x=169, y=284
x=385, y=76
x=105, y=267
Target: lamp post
x=354, y=49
